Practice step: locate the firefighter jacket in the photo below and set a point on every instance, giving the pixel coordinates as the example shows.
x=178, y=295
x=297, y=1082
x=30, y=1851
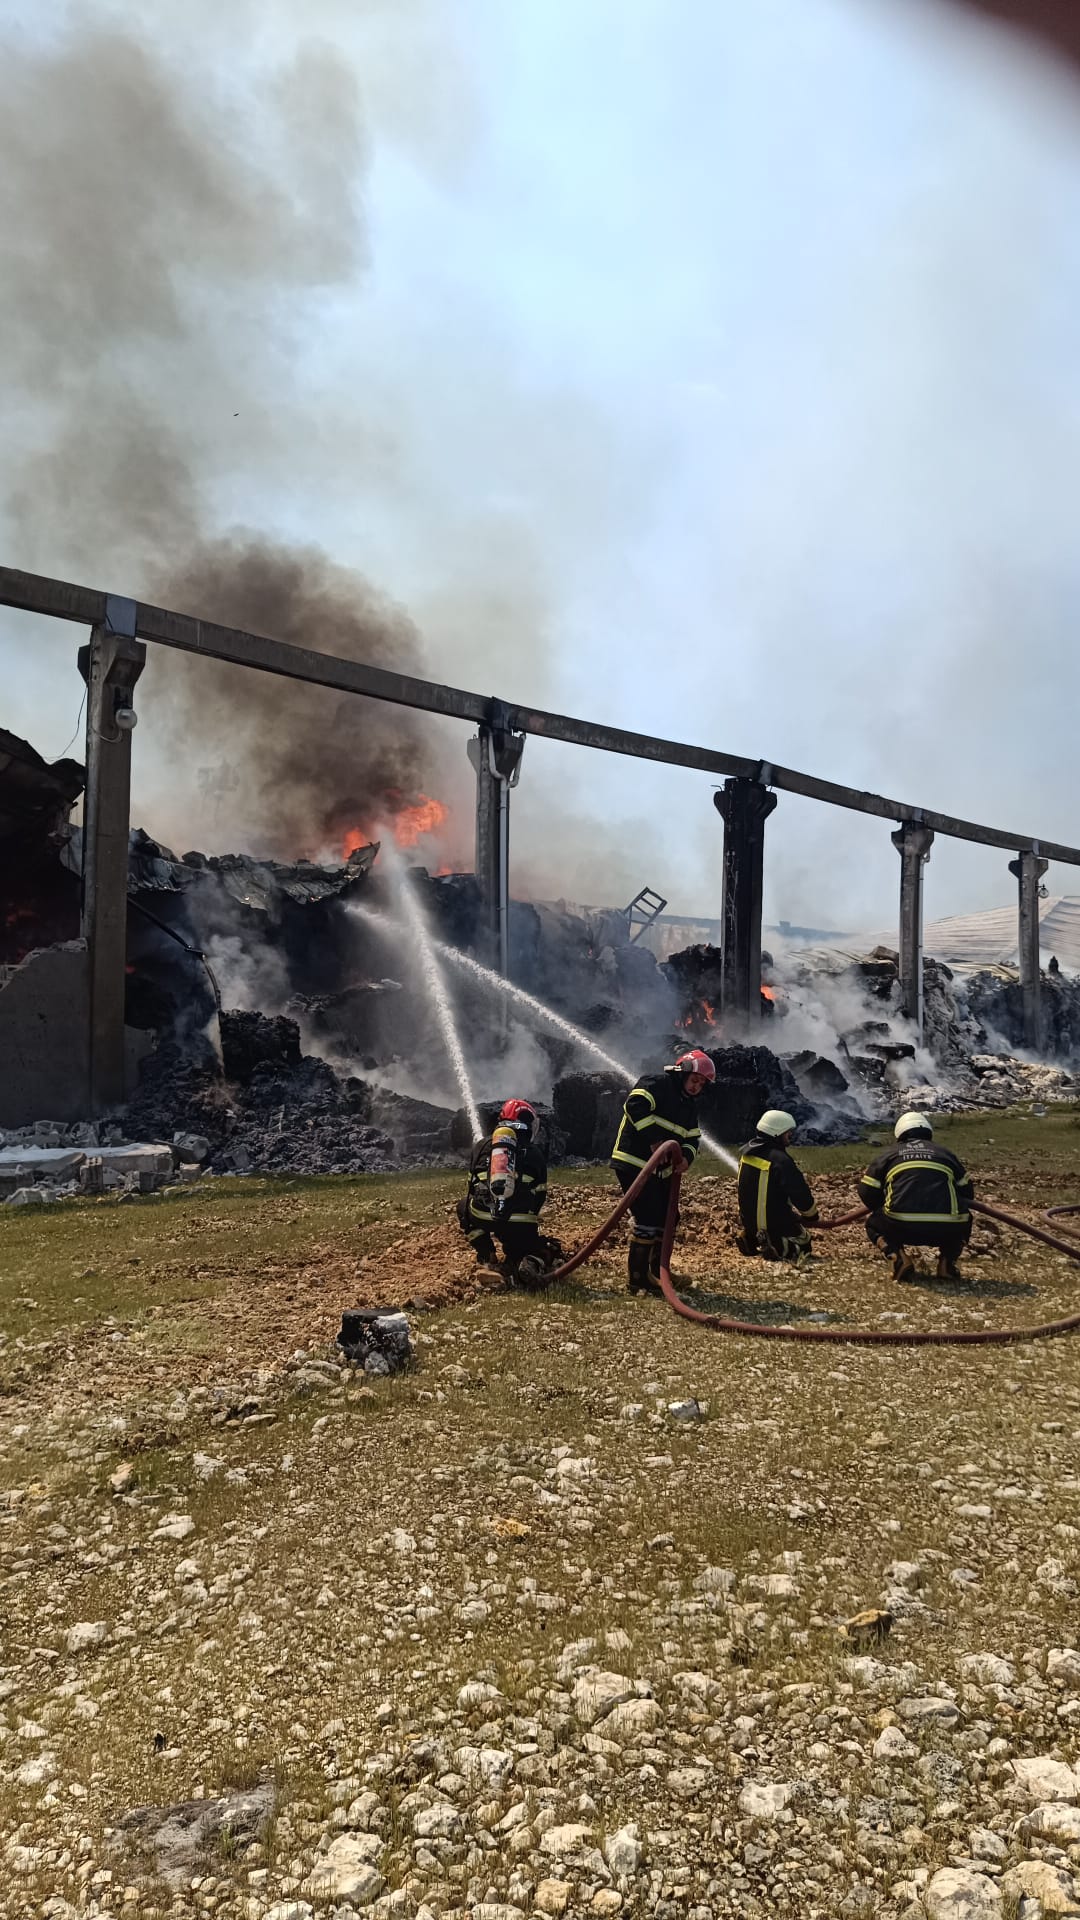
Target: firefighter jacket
x=772, y=1189
x=657, y=1109
x=919, y=1182
x=530, y=1191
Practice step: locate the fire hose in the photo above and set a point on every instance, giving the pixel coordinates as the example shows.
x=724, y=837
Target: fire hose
x=859, y=1336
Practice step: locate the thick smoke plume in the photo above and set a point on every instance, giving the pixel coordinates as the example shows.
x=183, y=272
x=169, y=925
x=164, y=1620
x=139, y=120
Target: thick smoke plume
x=301, y=767
x=165, y=243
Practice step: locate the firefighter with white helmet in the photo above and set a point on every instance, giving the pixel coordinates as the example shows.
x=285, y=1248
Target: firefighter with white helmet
x=776, y=1204
x=660, y=1107
x=918, y=1195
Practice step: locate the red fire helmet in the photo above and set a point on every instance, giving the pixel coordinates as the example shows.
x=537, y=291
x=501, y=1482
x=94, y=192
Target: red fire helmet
x=695, y=1062
x=519, y=1110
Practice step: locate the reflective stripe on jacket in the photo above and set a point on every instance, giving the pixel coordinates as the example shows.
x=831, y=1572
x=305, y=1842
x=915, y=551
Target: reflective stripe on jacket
x=771, y=1190
x=919, y=1182
x=658, y=1109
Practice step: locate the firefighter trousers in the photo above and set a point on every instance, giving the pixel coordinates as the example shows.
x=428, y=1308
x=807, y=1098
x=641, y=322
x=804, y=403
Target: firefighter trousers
x=949, y=1237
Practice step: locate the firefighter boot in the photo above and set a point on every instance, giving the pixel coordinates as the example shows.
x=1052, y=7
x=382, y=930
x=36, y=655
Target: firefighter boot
x=655, y=1253
x=903, y=1267
x=640, y=1278
x=947, y=1269
x=531, y=1272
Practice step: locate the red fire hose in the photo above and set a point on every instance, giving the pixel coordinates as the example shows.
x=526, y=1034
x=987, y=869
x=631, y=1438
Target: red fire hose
x=861, y=1336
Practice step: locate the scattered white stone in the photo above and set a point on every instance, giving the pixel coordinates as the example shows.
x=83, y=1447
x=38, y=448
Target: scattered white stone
x=439, y=1822
x=893, y=1744
x=987, y=1670
x=561, y=1842
x=346, y=1873
x=473, y=1613
x=986, y=1845
x=487, y=1764
x=85, y=1635
x=1038, y=1880
x=477, y=1693
x=904, y=1573
x=552, y=1897
x=570, y=1468
x=761, y=1801
x=206, y=1465
x=1045, y=1779
x=715, y=1580
x=633, y=1720
x=1063, y=1666
x=1056, y=1821
x=594, y=1694
x=689, y=1781
x=956, y=1893
x=38, y=1772
x=778, y=1586
x=928, y=1710
x=175, y=1526
x=290, y=1910
x=623, y=1851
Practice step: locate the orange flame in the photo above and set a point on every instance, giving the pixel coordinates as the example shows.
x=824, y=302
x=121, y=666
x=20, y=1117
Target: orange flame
x=426, y=817
x=405, y=823
x=768, y=993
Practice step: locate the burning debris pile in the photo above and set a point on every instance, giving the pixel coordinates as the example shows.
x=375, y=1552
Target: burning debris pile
x=287, y=1027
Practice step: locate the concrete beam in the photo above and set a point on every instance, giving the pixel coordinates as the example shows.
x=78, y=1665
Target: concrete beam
x=62, y=601
x=913, y=843
x=110, y=665
x=745, y=806
x=495, y=753
x=1028, y=869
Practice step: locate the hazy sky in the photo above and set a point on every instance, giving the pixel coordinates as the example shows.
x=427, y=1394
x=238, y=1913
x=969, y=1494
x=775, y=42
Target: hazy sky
x=706, y=369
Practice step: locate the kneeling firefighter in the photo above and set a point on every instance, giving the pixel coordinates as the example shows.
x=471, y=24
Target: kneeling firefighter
x=918, y=1195
x=507, y=1188
x=659, y=1108
x=775, y=1202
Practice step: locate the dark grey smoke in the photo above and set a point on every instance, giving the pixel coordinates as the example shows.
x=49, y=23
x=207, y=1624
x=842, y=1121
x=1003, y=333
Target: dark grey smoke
x=311, y=764
x=164, y=242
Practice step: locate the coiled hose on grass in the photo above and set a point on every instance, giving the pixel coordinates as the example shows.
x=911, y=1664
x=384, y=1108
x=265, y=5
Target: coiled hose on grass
x=835, y=1336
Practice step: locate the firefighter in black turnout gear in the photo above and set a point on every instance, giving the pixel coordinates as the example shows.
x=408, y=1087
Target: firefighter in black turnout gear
x=659, y=1108
x=775, y=1202
x=507, y=1188
x=919, y=1195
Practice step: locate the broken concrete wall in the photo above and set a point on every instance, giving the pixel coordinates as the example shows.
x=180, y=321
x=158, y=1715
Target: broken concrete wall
x=45, y=1038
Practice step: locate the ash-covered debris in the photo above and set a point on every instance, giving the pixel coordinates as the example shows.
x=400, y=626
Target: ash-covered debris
x=295, y=1116
x=846, y=1009
x=377, y=1339
x=253, y=1040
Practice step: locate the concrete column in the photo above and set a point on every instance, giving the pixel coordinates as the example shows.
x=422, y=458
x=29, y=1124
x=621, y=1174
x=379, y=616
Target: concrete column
x=913, y=843
x=110, y=665
x=745, y=806
x=1029, y=869
x=495, y=753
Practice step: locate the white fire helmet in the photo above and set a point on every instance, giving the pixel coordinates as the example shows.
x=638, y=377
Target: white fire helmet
x=911, y=1123
x=775, y=1124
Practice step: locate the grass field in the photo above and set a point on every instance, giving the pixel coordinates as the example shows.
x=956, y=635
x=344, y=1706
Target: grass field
x=357, y=1553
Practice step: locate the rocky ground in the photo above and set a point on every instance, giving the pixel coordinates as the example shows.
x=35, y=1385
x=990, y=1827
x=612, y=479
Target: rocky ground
x=549, y=1624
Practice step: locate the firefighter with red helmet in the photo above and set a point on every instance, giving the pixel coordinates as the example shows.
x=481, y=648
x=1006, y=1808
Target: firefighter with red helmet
x=660, y=1107
x=507, y=1188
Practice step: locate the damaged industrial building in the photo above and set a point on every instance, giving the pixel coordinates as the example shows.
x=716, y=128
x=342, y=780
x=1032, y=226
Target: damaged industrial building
x=233, y=1014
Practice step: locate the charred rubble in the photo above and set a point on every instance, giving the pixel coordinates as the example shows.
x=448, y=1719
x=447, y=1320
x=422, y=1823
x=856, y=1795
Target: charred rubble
x=283, y=1025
